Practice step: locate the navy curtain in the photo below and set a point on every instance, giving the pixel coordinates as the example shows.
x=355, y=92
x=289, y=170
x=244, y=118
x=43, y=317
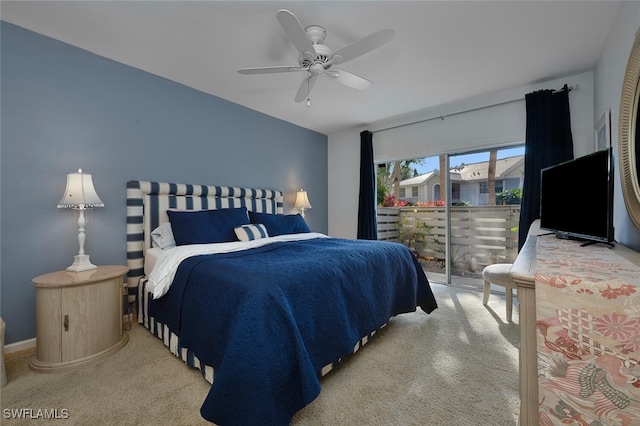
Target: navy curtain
x=548, y=142
x=367, y=225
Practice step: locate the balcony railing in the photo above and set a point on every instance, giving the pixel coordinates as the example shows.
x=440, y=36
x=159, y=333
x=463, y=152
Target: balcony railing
x=480, y=235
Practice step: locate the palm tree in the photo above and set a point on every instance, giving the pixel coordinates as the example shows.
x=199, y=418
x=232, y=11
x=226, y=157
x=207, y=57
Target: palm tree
x=443, y=179
x=396, y=177
x=493, y=155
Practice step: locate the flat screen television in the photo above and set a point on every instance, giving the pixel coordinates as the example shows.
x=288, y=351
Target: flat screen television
x=576, y=198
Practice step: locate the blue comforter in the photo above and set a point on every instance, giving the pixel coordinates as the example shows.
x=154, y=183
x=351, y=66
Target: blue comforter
x=269, y=319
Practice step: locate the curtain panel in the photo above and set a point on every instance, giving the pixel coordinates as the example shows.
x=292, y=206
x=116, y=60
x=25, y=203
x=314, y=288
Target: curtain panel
x=367, y=225
x=548, y=142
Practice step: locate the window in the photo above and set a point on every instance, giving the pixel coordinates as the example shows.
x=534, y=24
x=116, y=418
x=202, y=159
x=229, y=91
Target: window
x=402, y=192
x=484, y=187
x=414, y=191
x=455, y=192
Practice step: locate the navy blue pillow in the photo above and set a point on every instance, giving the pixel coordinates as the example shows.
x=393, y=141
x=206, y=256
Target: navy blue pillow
x=278, y=224
x=206, y=226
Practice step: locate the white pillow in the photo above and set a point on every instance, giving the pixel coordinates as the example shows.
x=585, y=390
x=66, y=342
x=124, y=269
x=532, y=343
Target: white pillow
x=251, y=232
x=162, y=237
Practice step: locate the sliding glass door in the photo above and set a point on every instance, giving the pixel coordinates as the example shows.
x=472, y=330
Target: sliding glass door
x=485, y=211
x=457, y=222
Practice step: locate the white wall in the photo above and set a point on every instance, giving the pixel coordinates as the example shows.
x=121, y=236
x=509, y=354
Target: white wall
x=498, y=126
x=608, y=79
x=343, y=159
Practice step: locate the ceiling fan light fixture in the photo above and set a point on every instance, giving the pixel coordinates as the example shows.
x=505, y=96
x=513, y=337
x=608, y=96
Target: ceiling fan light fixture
x=316, y=69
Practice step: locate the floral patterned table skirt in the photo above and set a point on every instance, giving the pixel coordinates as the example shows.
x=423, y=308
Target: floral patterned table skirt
x=588, y=335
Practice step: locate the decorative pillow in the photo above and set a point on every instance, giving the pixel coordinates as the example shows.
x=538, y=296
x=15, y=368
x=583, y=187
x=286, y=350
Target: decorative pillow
x=206, y=226
x=162, y=237
x=251, y=232
x=278, y=224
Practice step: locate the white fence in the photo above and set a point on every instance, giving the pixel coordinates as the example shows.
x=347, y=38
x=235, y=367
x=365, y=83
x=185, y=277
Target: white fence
x=388, y=223
x=480, y=235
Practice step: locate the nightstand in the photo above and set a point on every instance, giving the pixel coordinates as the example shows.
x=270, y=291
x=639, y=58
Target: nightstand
x=78, y=317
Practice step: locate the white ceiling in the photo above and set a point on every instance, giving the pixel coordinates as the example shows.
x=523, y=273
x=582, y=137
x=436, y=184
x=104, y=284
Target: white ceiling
x=443, y=51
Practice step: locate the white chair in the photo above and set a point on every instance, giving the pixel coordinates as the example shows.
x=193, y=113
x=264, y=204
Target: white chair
x=499, y=274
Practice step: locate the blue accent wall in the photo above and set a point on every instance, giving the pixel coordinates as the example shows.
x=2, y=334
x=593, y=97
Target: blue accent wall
x=63, y=108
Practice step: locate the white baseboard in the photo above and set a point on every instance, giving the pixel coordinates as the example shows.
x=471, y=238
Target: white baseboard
x=25, y=345
x=30, y=344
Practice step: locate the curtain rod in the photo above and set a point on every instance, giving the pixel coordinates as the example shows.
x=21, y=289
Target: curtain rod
x=442, y=117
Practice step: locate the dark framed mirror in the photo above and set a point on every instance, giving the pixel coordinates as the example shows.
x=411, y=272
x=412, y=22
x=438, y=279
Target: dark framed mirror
x=629, y=136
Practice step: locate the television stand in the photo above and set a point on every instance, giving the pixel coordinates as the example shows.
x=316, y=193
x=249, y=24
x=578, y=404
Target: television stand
x=548, y=233
x=585, y=241
x=591, y=242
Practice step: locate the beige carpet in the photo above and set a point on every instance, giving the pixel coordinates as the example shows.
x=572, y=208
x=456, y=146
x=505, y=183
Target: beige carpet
x=457, y=366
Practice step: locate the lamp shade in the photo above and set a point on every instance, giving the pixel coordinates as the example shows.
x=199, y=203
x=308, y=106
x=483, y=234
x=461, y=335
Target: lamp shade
x=80, y=192
x=302, y=201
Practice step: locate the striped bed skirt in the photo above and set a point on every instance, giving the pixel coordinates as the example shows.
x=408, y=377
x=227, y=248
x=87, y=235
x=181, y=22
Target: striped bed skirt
x=172, y=340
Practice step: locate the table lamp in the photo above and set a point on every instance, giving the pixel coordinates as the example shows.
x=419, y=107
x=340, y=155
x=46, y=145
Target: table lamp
x=80, y=195
x=302, y=202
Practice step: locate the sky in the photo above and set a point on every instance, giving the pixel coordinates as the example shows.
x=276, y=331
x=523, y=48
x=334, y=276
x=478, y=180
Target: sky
x=432, y=163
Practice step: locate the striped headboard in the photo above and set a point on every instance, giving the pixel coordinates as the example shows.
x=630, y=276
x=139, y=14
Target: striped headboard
x=147, y=204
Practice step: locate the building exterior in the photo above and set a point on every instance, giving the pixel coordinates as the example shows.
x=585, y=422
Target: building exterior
x=469, y=183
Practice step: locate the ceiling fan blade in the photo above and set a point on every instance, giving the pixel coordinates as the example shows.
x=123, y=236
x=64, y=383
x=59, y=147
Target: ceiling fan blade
x=296, y=33
x=305, y=88
x=270, y=70
x=364, y=45
x=350, y=79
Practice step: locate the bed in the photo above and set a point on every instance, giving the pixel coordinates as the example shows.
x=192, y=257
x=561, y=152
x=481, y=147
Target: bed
x=264, y=318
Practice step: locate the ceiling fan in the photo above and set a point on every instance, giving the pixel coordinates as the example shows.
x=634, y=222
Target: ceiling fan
x=316, y=58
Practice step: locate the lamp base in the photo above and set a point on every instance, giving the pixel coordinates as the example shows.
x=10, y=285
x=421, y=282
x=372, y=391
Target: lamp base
x=81, y=263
